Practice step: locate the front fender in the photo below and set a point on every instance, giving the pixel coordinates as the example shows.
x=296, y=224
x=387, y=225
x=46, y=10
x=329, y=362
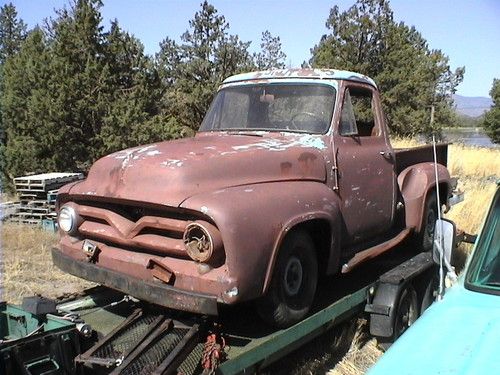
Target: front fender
x=254, y=219
x=415, y=182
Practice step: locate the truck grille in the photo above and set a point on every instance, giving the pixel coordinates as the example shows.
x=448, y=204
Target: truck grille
x=128, y=226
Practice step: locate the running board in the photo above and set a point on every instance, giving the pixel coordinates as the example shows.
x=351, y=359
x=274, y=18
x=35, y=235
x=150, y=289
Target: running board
x=375, y=251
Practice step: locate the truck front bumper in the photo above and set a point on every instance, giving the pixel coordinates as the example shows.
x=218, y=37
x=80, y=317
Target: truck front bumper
x=158, y=293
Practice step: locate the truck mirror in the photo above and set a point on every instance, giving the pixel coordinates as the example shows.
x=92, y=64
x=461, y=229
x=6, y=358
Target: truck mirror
x=444, y=240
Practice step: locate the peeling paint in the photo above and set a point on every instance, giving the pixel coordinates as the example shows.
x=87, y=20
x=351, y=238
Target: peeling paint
x=172, y=163
x=306, y=141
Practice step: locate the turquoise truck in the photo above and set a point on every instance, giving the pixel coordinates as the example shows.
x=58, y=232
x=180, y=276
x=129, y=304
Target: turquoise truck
x=461, y=333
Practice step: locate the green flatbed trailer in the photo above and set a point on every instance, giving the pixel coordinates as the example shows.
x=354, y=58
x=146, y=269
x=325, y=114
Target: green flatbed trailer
x=129, y=337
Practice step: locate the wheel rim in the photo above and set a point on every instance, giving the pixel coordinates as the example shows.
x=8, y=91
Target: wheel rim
x=407, y=314
x=293, y=276
x=429, y=230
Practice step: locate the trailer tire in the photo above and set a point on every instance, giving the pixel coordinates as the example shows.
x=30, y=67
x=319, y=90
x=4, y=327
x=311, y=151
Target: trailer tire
x=425, y=238
x=293, y=284
x=407, y=311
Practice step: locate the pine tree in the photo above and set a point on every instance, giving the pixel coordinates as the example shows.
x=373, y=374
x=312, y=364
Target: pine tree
x=491, y=121
x=193, y=70
x=411, y=77
x=271, y=55
x=26, y=107
x=12, y=32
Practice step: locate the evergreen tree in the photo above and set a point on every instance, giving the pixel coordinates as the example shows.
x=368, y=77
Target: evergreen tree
x=192, y=71
x=12, y=32
x=26, y=106
x=271, y=55
x=411, y=77
x=491, y=121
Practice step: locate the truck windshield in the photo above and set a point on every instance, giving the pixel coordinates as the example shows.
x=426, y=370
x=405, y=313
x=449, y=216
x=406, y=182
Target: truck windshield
x=484, y=271
x=272, y=107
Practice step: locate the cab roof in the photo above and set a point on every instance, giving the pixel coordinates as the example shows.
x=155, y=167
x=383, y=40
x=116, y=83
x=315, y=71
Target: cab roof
x=300, y=74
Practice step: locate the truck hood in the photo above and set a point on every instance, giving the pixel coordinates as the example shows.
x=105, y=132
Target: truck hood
x=458, y=335
x=168, y=173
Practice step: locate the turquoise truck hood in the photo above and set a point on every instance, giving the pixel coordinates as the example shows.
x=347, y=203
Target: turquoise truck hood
x=459, y=335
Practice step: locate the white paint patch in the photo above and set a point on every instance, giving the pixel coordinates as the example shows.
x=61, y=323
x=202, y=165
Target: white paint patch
x=305, y=141
x=204, y=209
x=153, y=153
x=144, y=149
x=248, y=190
x=355, y=188
x=172, y=163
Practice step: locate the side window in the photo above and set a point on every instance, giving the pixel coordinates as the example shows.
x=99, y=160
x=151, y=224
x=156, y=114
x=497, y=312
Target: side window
x=347, y=118
x=357, y=116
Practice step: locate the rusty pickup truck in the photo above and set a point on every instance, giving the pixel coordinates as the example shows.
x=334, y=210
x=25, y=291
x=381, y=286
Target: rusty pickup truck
x=290, y=176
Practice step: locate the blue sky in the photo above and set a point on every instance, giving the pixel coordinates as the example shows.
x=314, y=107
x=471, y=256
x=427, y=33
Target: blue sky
x=467, y=31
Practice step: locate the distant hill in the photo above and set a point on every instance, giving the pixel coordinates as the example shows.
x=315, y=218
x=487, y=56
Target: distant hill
x=472, y=106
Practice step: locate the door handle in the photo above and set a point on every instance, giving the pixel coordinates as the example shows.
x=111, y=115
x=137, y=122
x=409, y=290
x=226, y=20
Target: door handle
x=386, y=154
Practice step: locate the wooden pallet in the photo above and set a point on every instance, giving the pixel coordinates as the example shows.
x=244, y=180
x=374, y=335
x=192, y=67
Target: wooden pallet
x=41, y=184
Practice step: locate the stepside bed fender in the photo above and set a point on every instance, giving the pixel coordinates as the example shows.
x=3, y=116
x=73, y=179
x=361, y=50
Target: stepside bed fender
x=254, y=220
x=415, y=182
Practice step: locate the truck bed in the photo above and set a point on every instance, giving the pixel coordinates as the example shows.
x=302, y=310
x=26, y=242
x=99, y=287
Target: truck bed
x=405, y=157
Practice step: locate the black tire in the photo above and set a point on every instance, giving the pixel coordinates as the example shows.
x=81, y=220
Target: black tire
x=293, y=283
x=425, y=238
x=429, y=295
x=406, y=313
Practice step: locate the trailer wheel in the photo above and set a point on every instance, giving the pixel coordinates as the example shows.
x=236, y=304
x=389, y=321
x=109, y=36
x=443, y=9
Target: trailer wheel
x=428, y=296
x=425, y=238
x=293, y=283
x=407, y=311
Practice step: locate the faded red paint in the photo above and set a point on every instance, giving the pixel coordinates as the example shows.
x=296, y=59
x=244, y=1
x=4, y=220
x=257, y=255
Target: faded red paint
x=253, y=187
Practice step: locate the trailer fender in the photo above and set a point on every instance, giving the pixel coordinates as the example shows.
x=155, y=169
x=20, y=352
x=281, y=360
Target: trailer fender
x=405, y=284
x=415, y=183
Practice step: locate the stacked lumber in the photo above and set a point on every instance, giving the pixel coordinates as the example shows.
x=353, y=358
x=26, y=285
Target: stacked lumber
x=37, y=197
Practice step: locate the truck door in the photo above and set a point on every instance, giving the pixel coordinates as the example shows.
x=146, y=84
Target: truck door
x=365, y=161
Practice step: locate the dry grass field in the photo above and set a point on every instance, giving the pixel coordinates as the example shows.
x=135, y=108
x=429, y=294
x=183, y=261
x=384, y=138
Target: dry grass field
x=26, y=266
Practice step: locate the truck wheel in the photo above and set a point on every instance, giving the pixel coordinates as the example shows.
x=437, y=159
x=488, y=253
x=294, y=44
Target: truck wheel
x=426, y=236
x=293, y=283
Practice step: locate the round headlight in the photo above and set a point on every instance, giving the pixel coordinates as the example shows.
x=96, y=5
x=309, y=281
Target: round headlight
x=202, y=240
x=67, y=219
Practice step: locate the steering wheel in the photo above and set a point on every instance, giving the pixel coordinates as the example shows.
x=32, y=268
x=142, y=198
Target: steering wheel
x=293, y=124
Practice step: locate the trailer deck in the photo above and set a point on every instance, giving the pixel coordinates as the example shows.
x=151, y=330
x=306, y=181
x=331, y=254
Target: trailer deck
x=133, y=337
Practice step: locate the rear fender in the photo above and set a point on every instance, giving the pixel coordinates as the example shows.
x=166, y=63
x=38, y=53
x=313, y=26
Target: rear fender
x=415, y=183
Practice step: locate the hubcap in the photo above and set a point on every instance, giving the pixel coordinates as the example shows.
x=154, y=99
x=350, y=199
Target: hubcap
x=293, y=276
